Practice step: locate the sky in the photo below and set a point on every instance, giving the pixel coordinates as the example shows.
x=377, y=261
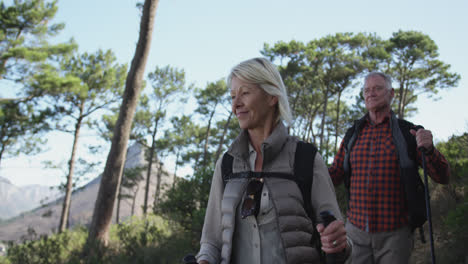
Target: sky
x=206, y=38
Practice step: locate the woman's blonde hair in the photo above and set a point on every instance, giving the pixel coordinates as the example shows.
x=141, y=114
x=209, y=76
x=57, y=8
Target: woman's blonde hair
x=262, y=72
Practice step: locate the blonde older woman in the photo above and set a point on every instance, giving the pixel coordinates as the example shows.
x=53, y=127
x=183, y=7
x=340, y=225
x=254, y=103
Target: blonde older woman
x=262, y=219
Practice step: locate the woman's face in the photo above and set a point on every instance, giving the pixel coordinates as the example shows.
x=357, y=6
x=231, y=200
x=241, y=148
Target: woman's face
x=252, y=106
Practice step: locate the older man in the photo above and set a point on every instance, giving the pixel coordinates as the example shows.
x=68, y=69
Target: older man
x=378, y=162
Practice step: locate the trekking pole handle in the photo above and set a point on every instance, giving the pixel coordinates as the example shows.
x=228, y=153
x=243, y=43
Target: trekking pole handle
x=421, y=149
x=327, y=217
x=189, y=259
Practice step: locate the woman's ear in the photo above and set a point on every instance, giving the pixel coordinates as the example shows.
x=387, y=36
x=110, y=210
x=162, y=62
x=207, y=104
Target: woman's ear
x=273, y=100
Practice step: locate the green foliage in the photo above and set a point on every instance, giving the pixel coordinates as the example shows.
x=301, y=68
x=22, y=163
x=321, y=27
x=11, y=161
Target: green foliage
x=95, y=81
x=320, y=73
x=455, y=150
x=98, y=84
x=210, y=97
x=83, y=168
x=185, y=138
x=186, y=203
x=25, y=32
x=168, y=85
x=413, y=63
x=317, y=75
x=54, y=249
x=24, y=37
x=457, y=220
x=21, y=127
x=138, y=240
x=454, y=227
x=457, y=229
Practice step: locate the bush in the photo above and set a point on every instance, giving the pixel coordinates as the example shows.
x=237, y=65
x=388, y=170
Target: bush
x=456, y=227
x=4, y=260
x=152, y=239
x=45, y=250
x=454, y=224
x=138, y=240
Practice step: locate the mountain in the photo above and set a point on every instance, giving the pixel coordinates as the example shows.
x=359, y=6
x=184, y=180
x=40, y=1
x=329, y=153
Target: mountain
x=45, y=219
x=18, y=199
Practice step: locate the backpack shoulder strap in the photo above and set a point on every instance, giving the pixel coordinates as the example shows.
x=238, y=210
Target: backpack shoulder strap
x=226, y=167
x=304, y=172
x=349, y=133
x=405, y=128
x=348, y=142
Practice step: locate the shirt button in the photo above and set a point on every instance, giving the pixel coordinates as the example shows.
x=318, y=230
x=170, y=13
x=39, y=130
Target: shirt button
x=255, y=226
x=256, y=245
x=264, y=194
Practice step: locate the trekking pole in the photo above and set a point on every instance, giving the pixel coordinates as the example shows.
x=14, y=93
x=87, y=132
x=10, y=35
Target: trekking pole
x=428, y=199
x=428, y=203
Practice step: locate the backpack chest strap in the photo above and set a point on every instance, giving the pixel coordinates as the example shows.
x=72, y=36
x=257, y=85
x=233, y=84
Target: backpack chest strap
x=259, y=174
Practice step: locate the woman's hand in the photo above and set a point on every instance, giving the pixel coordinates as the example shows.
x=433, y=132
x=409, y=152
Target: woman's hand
x=333, y=237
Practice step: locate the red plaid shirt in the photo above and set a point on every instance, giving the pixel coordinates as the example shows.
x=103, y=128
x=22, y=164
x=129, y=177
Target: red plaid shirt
x=377, y=200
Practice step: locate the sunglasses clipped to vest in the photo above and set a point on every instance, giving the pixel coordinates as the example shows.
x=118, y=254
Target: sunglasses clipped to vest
x=251, y=204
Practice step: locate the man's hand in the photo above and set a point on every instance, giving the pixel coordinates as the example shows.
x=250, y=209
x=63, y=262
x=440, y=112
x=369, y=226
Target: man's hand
x=333, y=237
x=423, y=139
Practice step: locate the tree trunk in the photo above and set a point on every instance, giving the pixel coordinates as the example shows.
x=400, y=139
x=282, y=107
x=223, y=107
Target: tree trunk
x=324, y=116
x=119, y=199
x=176, y=167
x=208, y=130
x=158, y=185
x=134, y=199
x=404, y=101
x=400, y=98
x=337, y=121
x=150, y=166
x=327, y=149
x=310, y=127
x=221, y=141
x=71, y=165
x=102, y=216
x=2, y=150
x=3, y=144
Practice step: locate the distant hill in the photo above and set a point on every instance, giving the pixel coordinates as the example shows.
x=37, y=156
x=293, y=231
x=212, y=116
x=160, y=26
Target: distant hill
x=17, y=199
x=45, y=219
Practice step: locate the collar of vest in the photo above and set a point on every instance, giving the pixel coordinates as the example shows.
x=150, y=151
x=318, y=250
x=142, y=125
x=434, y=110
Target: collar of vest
x=270, y=147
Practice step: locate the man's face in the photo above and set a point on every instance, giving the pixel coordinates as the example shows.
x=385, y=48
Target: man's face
x=377, y=97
